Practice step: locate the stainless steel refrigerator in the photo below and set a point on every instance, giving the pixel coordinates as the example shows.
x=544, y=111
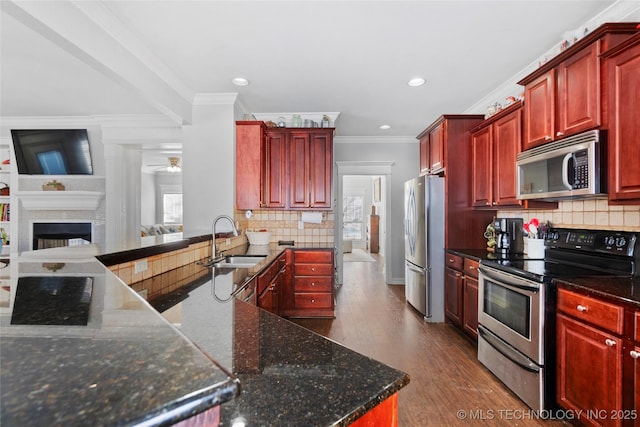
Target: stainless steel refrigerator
x=424, y=246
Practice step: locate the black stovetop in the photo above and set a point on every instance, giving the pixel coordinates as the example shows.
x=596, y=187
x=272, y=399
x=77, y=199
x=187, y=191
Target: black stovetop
x=577, y=253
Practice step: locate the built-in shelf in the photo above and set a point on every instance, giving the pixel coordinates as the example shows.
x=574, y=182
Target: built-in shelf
x=60, y=200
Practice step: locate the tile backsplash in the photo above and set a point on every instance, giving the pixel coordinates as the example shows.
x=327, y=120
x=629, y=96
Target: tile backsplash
x=587, y=214
x=283, y=225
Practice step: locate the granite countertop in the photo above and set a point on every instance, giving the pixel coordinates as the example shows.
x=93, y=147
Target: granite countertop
x=104, y=356
x=624, y=290
x=288, y=375
x=101, y=357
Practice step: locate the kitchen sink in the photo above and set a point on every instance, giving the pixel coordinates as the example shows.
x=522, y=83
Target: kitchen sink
x=239, y=261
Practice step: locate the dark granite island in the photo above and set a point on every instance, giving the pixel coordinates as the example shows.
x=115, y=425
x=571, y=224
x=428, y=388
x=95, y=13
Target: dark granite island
x=289, y=376
x=123, y=364
x=80, y=348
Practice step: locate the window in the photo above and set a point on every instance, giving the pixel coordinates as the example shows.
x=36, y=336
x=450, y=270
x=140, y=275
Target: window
x=352, y=225
x=172, y=208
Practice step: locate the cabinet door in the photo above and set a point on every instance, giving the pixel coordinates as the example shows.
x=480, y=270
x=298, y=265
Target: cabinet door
x=274, y=170
x=589, y=370
x=471, y=307
x=539, y=110
x=624, y=126
x=299, y=170
x=481, y=167
x=507, y=143
x=250, y=137
x=320, y=163
x=453, y=296
x=424, y=155
x=436, y=148
x=579, y=92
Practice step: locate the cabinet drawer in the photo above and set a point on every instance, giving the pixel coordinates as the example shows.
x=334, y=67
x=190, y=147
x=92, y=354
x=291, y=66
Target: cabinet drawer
x=302, y=256
x=454, y=261
x=471, y=267
x=599, y=313
x=265, y=277
x=312, y=284
x=313, y=300
x=313, y=269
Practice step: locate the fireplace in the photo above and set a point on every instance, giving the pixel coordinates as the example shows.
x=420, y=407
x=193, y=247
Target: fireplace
x=59, y=234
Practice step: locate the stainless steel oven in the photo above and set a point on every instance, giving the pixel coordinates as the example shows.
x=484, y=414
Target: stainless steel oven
x=517, y=301
x=511, y=317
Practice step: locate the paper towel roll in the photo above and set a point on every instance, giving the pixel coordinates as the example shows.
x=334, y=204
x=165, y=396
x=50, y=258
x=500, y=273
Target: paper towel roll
x=312, y=217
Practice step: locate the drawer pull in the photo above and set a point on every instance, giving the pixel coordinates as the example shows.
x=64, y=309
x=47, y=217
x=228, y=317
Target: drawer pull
x=313, y=269
x=313, y=283
x=451, y=260
x=471, y=267
x=313, y=300
x=609, y=343
x=581, y=308
x=634, y=354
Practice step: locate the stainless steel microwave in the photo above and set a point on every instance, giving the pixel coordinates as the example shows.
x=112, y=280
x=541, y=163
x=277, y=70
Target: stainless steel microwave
x=563, y=169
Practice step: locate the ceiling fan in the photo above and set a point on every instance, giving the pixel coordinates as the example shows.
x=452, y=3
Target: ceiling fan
x=172, y=167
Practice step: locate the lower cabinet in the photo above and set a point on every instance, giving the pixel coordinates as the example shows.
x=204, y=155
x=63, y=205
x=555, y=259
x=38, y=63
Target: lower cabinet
x=311, y=286
x=461, y=293
x=589, y=360
x=298, y=284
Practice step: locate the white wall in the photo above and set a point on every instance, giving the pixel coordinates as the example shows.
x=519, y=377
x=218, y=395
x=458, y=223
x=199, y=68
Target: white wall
x=148, y=199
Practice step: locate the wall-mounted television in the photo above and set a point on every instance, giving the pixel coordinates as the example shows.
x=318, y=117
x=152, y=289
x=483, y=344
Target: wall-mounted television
x=52, y=151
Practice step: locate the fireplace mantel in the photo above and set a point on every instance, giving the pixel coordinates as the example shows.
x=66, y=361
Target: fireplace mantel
x=60, y=200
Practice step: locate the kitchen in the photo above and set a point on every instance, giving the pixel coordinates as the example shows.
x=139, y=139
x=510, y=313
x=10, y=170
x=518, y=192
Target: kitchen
x=227, y=198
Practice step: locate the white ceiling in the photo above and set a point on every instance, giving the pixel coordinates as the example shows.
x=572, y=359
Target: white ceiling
x=65, y=58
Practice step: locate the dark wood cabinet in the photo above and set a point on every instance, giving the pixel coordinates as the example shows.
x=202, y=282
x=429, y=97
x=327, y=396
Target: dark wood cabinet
x=482, y=167
x=310, y=168
x=274, y=170
x=250, y=138
x=309, y=292
x=623, y=69
x=432, y=149
x=461, y=293
x=373, y=234
x=454, y=139
x=271, y=286
x=453, y=296
x=539, y=110
x=589, y=370
x=589, y=357
x=566, y=95
x=470, y=298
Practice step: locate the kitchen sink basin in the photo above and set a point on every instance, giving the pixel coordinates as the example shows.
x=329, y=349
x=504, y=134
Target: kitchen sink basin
x=239, y=261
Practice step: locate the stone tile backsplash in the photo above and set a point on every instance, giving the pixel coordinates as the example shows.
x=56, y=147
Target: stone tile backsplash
x=283, y=225
x=587, y=214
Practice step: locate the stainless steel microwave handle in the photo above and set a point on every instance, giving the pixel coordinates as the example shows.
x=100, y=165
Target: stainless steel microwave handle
x=509, y=280
x=565, y=171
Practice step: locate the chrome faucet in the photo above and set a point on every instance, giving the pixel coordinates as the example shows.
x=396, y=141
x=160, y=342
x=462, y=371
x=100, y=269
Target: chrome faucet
x=213, y=233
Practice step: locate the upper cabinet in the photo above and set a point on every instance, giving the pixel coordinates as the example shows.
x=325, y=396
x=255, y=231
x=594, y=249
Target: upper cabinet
x=623, y=68
x=432, y=157
x=283, y=168
x=564, y=96
x=250, y=138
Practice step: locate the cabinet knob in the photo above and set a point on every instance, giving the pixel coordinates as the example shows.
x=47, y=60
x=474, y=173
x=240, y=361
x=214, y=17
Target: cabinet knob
x=313, y=283
x=547, y=138
x=494, y=203
x=609, y=343
x=581, y=308
x=634, y=354
x=313, y=300
x=559, y=133
x=313, y=269
x=451, y=260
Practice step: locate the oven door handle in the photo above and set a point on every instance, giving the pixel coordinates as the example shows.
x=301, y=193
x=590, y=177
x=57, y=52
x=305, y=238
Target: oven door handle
x=507, y=351
x=507, y=279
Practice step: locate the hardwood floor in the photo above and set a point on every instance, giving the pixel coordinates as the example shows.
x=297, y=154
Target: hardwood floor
x=448, y=385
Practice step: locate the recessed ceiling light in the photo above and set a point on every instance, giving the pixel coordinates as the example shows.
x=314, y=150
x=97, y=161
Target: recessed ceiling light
x=385, y=127
x=240, y=81
x=417, y=81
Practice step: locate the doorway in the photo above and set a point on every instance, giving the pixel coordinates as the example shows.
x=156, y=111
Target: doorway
x=362, y=192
